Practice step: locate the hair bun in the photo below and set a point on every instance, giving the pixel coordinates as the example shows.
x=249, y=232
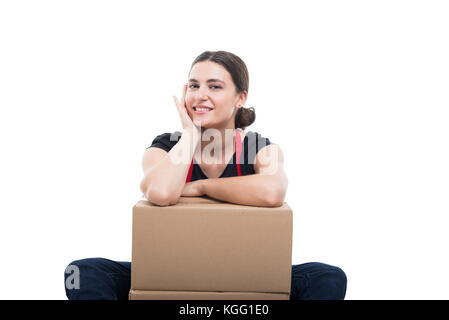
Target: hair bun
x=245, y=117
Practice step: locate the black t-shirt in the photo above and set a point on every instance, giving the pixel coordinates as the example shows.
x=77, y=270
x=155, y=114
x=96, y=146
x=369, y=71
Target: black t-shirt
x=251, y=145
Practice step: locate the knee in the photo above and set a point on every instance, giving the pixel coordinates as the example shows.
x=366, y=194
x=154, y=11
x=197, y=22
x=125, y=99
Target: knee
x=336, y=282
x=78, y=276
x=76, y=266
x=74, y=270
x=72, y=277
x=318, y=281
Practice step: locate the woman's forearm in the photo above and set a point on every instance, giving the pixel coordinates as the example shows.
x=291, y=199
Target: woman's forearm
x=167, y=178
x=253, y=190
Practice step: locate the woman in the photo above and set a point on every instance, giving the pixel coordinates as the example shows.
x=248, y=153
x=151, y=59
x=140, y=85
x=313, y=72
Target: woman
x=231, y=170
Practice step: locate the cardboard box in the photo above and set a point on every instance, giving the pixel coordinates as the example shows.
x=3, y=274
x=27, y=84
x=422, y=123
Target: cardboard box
x=203, y=248
x=202, y=295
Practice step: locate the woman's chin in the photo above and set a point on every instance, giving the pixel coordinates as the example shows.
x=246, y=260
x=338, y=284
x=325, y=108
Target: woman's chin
x=203, y=120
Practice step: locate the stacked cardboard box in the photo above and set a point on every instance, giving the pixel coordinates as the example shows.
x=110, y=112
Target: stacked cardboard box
x=204, y=249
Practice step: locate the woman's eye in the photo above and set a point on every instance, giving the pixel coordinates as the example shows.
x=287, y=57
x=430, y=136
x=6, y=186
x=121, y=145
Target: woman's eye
x=194, y=85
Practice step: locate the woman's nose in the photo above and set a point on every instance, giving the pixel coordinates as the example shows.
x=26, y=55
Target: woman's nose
x=202, y=93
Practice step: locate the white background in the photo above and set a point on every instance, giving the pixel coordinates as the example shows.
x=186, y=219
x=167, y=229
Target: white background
x=354, y=92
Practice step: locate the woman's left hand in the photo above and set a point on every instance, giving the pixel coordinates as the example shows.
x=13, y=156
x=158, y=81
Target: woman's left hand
x=193, y=189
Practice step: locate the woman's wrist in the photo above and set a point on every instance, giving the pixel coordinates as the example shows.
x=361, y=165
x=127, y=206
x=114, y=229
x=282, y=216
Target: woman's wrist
x=203, y=186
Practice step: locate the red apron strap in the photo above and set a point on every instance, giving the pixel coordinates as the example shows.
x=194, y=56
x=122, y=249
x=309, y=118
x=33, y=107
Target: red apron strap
x=189, y=175
x=238, y=150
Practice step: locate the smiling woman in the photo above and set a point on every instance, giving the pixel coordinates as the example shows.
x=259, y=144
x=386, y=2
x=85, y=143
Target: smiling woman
x=235, y=166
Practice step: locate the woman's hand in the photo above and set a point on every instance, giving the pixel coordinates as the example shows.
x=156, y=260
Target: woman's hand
x=193, y=189
x=187, y=124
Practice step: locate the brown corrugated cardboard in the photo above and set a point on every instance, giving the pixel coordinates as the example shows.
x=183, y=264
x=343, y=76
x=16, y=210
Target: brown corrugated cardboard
x=204, y=247
x=202, y=295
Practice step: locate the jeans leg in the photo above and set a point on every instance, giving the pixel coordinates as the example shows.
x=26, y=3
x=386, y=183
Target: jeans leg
x=317, y=281
x=97, y=279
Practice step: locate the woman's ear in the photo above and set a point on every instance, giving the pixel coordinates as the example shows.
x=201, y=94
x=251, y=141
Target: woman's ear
x=242, y=99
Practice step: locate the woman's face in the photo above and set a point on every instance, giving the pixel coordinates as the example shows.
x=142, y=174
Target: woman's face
x=210, y=85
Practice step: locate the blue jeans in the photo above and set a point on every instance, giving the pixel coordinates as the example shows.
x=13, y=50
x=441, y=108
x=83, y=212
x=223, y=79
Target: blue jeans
x=103, y=279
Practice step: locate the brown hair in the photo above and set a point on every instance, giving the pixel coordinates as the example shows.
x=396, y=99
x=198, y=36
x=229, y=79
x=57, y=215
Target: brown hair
x=239, y=74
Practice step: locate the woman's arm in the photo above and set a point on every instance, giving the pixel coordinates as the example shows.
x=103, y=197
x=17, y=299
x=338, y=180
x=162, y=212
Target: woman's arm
x=267, y=187
x=164, y=179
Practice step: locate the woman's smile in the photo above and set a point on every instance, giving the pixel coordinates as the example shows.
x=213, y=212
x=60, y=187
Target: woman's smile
x=202, y=110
